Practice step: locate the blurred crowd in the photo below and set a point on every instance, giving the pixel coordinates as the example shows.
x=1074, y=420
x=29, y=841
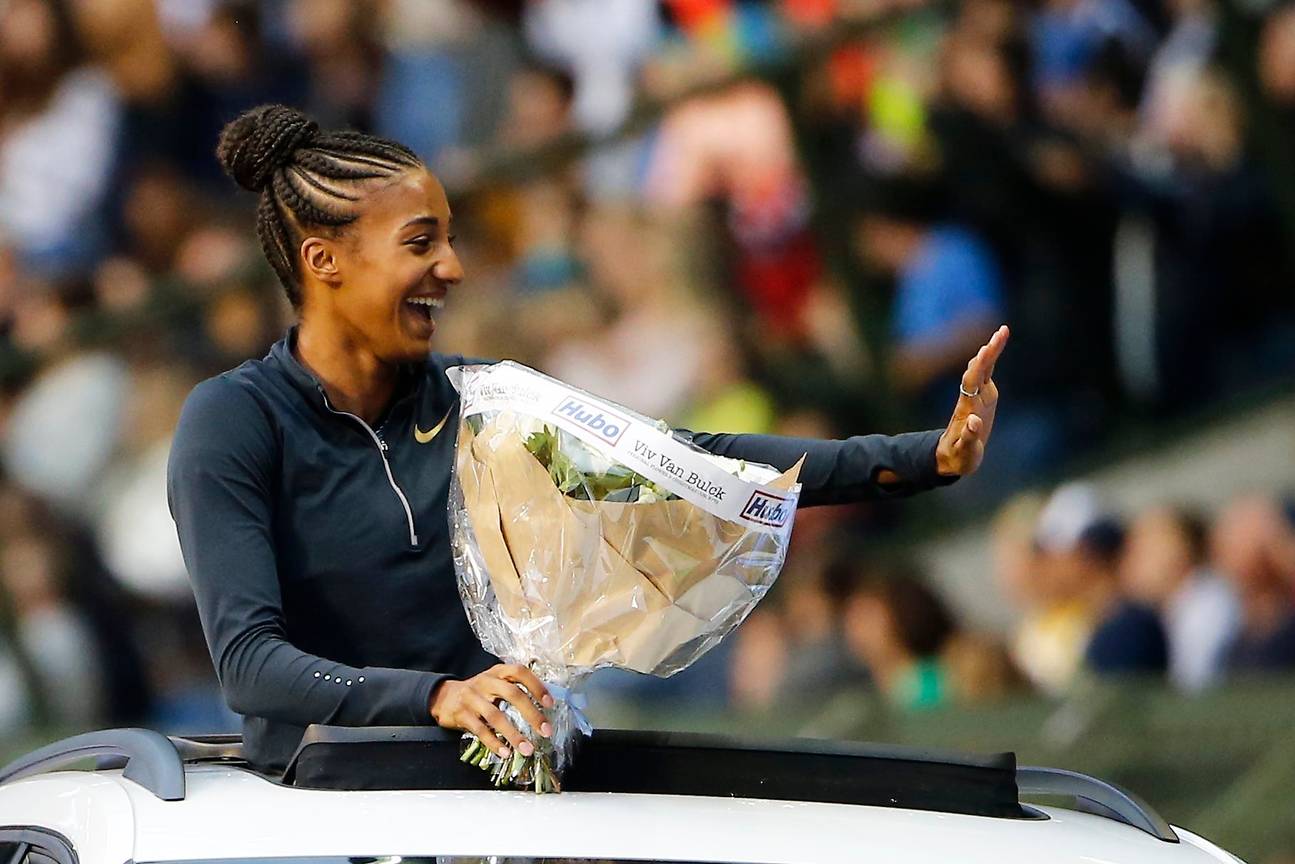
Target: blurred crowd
x=1166, y=596
x=790, y=216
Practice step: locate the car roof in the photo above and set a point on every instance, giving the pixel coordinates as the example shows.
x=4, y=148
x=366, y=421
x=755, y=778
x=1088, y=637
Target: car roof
x=232, y=812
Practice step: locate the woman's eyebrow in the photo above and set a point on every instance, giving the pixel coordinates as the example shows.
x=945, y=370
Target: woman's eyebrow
x=421, y=220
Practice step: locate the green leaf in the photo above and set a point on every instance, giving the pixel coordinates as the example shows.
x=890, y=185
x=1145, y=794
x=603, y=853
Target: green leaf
x=547, y=446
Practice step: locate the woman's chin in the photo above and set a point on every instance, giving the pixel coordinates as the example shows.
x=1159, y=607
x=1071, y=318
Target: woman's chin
x=409, y=345
x=420, y=345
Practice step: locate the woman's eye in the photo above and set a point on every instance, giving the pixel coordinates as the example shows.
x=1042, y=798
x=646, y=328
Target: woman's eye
x=422, y=241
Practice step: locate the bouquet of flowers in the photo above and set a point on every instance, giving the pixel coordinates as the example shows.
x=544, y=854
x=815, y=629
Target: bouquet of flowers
x=587, y=536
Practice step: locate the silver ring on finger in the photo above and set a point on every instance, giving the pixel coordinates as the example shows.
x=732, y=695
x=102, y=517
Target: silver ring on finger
x=970, y=394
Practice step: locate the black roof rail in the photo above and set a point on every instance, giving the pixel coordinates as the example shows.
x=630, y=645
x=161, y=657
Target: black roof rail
x=151, y=759
x=673, y=763
x=1095, y=796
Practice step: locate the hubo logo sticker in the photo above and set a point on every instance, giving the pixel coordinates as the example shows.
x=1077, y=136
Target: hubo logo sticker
x=766, y=509
x=607, y=425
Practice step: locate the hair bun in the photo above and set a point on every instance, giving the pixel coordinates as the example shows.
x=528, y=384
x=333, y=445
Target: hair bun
x=260, y=141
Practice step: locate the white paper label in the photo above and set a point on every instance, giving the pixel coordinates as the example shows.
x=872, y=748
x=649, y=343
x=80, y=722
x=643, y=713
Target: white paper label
x=621, y=435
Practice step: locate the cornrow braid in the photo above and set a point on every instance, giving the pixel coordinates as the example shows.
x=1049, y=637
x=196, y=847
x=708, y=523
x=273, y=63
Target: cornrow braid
x=306, y=177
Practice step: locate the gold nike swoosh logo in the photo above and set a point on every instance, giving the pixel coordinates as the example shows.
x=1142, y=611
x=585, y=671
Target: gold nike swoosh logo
x=423, y=437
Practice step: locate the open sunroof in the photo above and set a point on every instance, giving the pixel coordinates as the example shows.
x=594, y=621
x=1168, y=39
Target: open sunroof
x=679, y=764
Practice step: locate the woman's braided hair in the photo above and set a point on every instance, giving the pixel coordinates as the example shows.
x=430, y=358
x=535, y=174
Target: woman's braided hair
x=307, y=177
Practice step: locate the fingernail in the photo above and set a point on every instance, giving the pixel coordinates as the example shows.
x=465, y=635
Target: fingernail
x=546, y=730
x=504, y=753
x=526, y=748
x=547, y=701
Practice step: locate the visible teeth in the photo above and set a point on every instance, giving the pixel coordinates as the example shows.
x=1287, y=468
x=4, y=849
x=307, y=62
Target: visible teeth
x=434, y=302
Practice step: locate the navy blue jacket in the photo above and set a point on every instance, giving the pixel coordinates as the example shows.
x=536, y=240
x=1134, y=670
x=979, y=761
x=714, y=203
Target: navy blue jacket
x=318, y=547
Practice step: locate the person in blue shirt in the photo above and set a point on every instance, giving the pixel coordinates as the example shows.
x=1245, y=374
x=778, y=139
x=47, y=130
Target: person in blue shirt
x=309, y=488
x=950, y=282
x=948, y=294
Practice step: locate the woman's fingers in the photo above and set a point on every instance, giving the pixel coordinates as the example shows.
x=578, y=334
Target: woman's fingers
x=993, y=350
x=969, y=432
x=981, y=367
x=519, y=674
x=971, y=380
x=519, y=699
x=487, y=736
x=969, y=447
x=485, y=708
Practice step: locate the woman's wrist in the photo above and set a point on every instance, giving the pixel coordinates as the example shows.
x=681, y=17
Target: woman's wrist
x=436, y=698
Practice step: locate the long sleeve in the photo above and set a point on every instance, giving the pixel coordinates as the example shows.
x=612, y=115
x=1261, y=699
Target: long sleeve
x=220, y=481
x=838, y=471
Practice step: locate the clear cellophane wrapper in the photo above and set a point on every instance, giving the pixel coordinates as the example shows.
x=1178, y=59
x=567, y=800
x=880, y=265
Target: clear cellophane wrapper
x=586, y=536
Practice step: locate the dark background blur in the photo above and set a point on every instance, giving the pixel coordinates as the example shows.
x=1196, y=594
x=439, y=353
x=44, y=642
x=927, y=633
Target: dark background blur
x=799, y=217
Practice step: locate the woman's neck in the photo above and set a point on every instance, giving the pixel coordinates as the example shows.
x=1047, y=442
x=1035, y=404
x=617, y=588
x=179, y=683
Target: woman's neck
x=355, y=380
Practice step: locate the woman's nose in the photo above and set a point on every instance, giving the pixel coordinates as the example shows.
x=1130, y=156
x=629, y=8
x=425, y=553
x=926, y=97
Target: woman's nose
x=449, y=269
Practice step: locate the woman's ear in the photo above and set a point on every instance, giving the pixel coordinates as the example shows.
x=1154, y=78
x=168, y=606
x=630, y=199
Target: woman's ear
x=319, y=257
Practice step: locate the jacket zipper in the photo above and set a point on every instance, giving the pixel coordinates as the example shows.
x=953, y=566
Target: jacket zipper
x=382, y=451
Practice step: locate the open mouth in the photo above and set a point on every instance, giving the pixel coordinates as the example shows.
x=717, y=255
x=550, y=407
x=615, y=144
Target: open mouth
x=423, y=307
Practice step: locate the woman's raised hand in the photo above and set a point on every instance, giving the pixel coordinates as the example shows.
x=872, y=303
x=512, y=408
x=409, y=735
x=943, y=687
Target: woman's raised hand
x=472, y=706
x=962, y=446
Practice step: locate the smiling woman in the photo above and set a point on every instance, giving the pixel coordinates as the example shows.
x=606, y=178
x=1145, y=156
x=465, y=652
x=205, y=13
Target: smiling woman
x=309, y=488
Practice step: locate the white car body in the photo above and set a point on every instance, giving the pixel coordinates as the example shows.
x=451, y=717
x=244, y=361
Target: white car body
x=229, y=812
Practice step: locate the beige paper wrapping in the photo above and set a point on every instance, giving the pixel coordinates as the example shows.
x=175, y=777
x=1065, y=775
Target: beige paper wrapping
x=587, y=584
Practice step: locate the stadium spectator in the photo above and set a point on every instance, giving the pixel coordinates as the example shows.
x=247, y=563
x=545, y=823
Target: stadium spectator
x=125, y=38
x=652, y=349
x=338, y=42
x=544, y=209
x=981, y=669
x=52, y=632
x=758, y=666
x=1253, y=545
x=1056, y=621
x=602, y=43
x=1014, y=556
x=1165, y=566
x=1129, y=638
x=1067, y=37
x=819, y=659
x=1183, y=55
x=59, y=125
x=424, y=60
x=539, y=108
x=45, y=448
x=897, y=628
x=756, y=181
